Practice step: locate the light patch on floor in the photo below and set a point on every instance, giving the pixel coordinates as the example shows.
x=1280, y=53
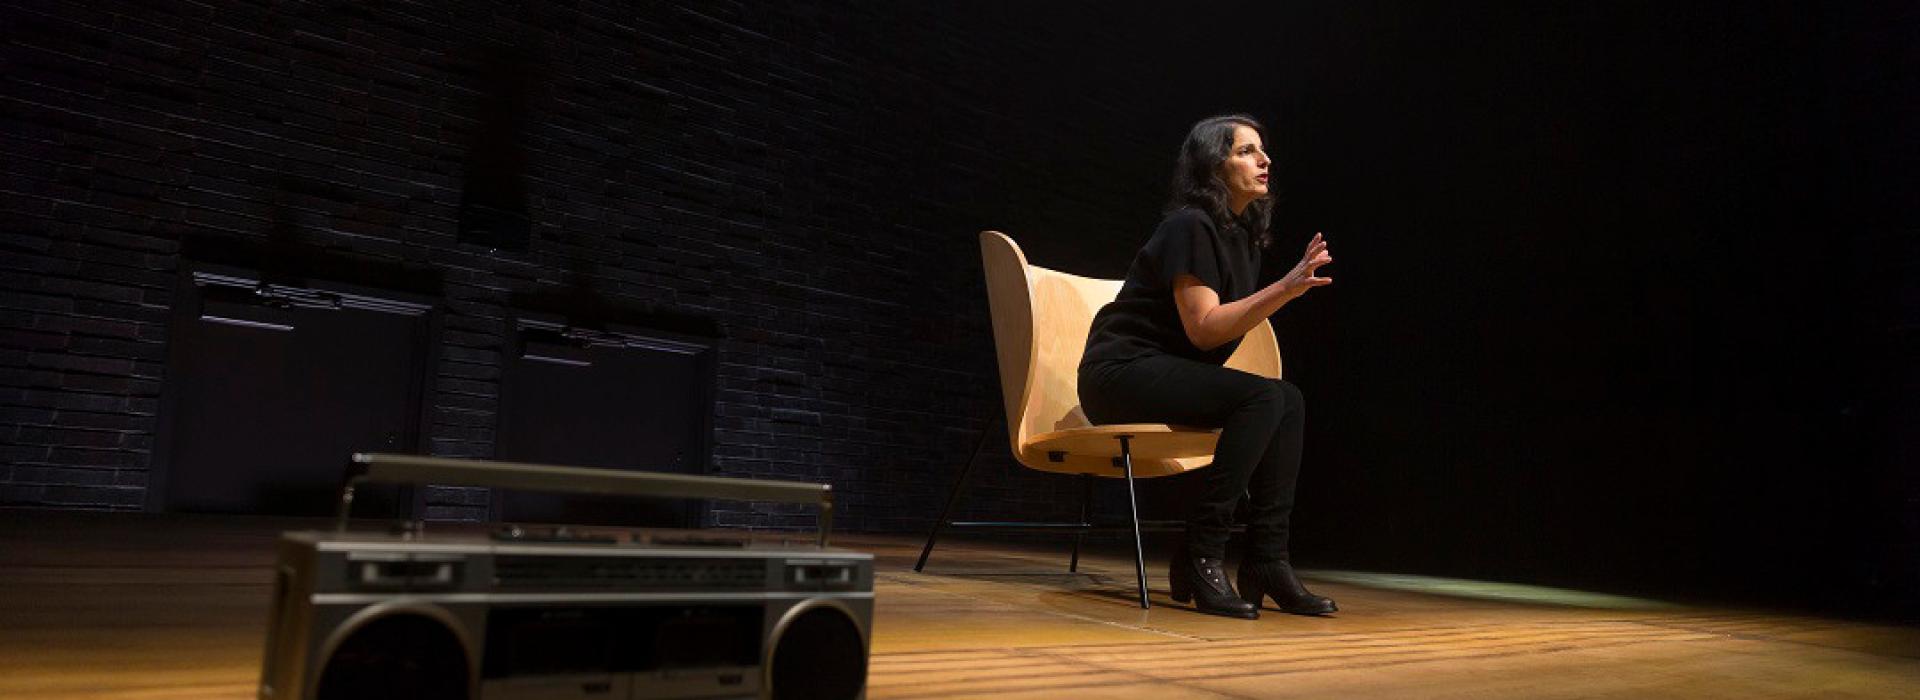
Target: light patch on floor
x=1490, y=590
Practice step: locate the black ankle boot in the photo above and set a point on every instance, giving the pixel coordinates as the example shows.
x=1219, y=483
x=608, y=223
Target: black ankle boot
x=1211, y=595
x=1276, y=579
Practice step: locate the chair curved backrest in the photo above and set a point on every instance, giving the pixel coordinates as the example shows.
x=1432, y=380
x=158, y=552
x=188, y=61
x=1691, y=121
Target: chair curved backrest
x=1040, y=323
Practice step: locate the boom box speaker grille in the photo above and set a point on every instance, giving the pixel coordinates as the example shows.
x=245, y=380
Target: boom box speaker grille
x=396, y=656
x=818, y=654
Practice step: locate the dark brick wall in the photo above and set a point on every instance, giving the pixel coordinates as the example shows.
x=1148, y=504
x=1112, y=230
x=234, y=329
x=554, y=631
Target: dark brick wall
x=808, y=179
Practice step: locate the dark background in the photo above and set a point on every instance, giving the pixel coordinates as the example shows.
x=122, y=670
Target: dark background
x=1626, y=291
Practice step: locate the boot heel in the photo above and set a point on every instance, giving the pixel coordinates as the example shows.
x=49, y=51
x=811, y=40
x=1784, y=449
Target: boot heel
x=1250, y=588
x=1178, y=587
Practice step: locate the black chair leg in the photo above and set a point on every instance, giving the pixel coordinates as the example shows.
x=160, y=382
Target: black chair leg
x=1133, y=513
x=946, y=513
x=1086, y=503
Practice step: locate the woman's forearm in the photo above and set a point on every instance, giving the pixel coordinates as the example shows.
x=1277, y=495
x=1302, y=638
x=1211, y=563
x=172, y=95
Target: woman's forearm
x=1216, y=324
x=1211, y=324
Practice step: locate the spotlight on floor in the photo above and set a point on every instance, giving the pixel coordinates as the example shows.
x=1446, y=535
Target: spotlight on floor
x=1489, y=590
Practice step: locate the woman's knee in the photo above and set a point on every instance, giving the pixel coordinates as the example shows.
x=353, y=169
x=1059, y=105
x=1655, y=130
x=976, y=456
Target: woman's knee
x=1289, y=394
x=1265, y=398
x=1292, y=405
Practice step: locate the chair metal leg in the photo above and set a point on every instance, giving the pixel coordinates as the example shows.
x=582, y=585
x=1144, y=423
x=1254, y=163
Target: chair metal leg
x=1133, y=512
x=1086, y=503
x=947, y=512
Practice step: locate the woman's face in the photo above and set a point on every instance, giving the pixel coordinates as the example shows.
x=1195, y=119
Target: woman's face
x=1245, y=169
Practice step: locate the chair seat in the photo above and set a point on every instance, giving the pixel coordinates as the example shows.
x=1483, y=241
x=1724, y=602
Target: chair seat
x=1148, y=441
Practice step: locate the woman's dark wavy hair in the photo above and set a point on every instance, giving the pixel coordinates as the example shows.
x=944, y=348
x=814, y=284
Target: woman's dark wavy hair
x=1196, y=177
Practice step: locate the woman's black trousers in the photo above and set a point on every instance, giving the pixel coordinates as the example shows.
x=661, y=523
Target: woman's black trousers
x=1261, y=422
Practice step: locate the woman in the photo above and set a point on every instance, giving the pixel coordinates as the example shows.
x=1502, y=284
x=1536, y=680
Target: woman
x=1155, y=355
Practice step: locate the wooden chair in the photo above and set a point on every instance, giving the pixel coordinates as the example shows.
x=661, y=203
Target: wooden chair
x=1040, y=323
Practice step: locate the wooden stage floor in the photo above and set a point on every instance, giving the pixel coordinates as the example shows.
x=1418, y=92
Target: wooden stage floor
x=137, y=606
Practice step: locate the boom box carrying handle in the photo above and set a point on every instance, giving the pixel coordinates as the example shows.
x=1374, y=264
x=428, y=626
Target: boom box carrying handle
x=376, y=467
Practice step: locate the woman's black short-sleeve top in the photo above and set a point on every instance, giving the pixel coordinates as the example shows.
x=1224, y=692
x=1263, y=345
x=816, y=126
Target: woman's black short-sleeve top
x=1143, y=320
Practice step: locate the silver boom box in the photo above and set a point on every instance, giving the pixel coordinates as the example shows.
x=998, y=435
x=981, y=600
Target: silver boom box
x=550, y=615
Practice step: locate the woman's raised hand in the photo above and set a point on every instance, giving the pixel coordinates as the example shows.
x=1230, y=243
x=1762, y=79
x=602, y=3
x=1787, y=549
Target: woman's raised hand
x=1305, y=275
